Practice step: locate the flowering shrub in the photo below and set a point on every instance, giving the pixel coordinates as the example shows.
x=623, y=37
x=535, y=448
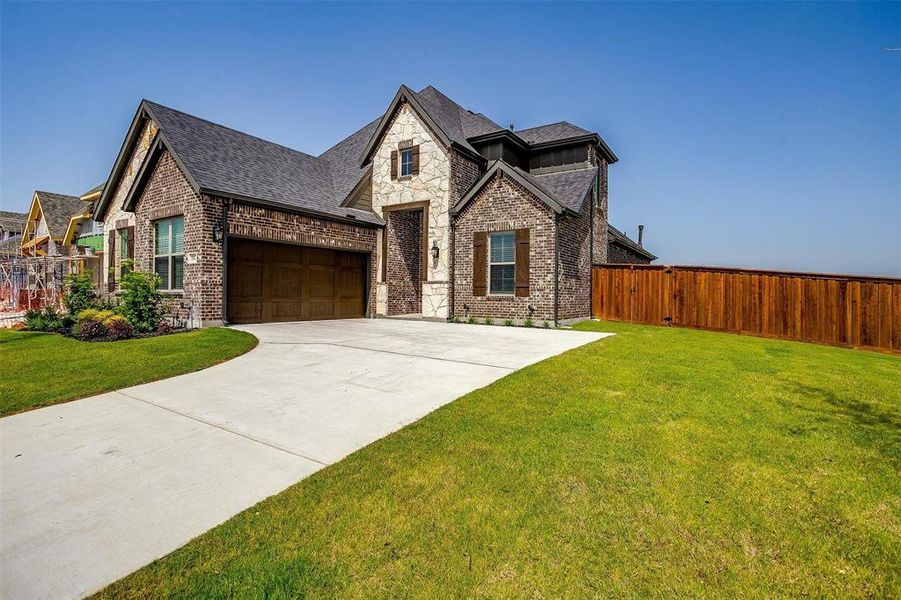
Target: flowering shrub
x=118, y=328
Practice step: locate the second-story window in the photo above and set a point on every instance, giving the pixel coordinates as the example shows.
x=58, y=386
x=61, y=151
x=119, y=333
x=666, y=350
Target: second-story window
x=406, y=162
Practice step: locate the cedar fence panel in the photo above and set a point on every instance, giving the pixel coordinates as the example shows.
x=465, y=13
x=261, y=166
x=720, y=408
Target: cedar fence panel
x=841, y=310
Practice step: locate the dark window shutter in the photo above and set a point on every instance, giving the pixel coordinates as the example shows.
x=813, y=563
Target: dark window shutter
x=415, y=152
x=131, y=242
x=479, y=263
x=522, y=262
x=394, y=164
x=111, y=261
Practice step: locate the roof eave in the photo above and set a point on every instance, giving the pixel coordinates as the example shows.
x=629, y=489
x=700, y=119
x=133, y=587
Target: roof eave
x=134, y=131
x=497, y=135
x=290, y=208
x=499, y=165
x=588, y=137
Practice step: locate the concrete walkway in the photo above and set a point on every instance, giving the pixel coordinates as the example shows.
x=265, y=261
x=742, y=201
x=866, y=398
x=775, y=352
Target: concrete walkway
x=96, y=488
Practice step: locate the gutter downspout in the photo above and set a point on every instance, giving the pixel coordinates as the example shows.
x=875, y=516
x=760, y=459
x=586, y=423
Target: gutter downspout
x=556, y=270
x=451, y=247
x=226, y=206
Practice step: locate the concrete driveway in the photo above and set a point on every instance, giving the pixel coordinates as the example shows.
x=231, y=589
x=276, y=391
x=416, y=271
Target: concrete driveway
x=96, y=488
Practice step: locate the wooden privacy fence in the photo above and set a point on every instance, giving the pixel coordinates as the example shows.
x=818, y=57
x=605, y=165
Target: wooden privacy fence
x=841, y=310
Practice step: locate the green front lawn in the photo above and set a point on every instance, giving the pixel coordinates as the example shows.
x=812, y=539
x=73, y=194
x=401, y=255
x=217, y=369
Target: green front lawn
x=39, y=369
x=660, y=462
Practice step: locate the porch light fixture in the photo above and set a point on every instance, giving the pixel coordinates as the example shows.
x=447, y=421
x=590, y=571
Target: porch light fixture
x=435, y=249
x=218, y=233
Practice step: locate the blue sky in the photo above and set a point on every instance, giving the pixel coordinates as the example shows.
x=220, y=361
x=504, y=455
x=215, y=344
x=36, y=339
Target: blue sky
x=764, y=135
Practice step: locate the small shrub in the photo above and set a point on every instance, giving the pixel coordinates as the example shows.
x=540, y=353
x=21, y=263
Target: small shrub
x=118, y=328
x=527, y=323
x=508, y=322
x=141, y=302
x=47, y=319
x=546, y=325
x=488, y=320
x=79, y=292
x=471, y=320
x=455, y=319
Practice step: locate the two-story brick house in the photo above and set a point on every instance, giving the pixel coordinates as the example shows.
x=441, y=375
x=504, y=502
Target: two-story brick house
x=429, y=210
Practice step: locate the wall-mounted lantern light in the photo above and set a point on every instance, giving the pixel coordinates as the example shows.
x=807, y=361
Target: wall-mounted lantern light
x=435, y=250
x=218, y=234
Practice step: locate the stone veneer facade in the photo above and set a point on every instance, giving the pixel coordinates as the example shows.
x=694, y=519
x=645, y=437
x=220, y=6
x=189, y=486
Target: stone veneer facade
x=115, y=217
x=432, y=184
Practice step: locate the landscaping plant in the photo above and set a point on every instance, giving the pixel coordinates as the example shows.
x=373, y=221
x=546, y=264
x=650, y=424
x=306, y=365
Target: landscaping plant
x=471, y=320
x=508, y=322
x=488, y=320
x=527, y=322
x=141, y=302
x=79, y=292
x=47, y=319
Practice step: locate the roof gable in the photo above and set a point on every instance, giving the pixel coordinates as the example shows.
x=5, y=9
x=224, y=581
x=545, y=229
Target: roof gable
x=500, y=168
x=446, y=120
x=56, y=210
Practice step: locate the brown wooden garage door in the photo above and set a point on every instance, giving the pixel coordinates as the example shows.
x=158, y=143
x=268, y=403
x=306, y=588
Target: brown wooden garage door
x=279, y=282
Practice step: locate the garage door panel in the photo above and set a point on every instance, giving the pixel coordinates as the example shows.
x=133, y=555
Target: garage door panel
x=280, y=282
x=286, y=280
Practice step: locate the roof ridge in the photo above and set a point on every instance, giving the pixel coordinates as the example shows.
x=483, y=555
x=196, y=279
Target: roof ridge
x=347, y=137
x=226, y=127
x=57, y=194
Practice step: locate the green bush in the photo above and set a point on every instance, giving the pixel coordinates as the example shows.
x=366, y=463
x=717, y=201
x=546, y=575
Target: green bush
x=471, y=320
x=47, y=319
x=140, y=300
x=488, y=320
x=528, y=323
x=79, y=292
x=546, y=325
x=508, y=322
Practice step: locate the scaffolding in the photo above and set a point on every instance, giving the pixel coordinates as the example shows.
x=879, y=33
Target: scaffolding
x=33, y=282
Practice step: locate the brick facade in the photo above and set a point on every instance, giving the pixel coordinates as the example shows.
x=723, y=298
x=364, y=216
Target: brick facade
x=168, y=194
x=503, y=205
x=619, y=254
x=600, y=216
x=404, y=261
x=575, y=263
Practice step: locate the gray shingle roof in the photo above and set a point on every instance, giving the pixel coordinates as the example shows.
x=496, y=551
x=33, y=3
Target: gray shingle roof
x=569, y=187
x=344, y=163
x=220, y=159
x=551, y=133
x=12, y=221
x=457, y=122
x=59, y=209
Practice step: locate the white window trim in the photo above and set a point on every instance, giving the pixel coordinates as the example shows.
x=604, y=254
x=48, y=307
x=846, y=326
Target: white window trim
x=491, y=263
x=168, y=221
x=400, y=171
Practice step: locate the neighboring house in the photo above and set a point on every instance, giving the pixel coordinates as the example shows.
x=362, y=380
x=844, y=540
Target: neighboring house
x=12, y=224
x=429, y=210
x=48, y=221
x=83, y=231
x=621, y=249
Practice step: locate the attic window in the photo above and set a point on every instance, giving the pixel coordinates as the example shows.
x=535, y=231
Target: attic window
x=406, y=162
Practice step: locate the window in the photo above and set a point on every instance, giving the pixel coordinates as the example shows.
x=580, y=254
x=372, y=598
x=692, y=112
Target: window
x=124, y=247
x=168, y=251
x=502, y=261
x=406, y=162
